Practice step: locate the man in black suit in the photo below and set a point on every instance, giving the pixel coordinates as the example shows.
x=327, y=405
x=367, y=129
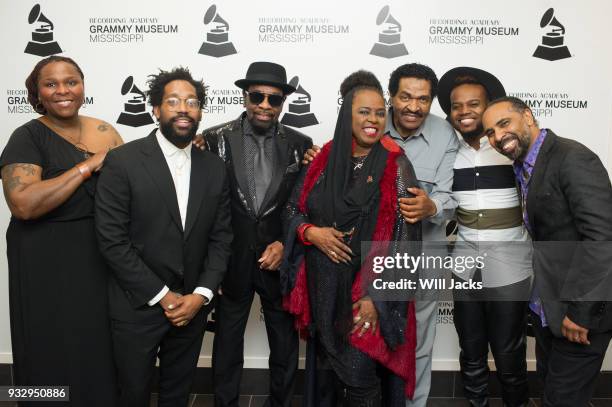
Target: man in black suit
x=163, y=223
x=567, y=208
x=262, y=158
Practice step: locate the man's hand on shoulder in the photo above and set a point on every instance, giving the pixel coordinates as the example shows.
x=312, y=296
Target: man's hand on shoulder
x=199, y=141
x=310, y=154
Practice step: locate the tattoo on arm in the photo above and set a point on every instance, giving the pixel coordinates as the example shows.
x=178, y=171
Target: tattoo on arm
x=12, y=180
x=103, y=127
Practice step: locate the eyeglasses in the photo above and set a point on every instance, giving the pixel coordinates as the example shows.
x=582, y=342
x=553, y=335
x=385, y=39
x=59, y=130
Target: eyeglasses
x=258, y=97
x=175, y=103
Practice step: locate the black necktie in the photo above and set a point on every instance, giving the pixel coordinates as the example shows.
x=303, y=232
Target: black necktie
x=263, y=172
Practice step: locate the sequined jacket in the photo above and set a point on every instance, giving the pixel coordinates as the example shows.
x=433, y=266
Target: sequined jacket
x=253, y=230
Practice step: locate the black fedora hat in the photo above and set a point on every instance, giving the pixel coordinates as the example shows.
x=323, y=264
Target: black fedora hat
x=266, y=73
x=449, y=81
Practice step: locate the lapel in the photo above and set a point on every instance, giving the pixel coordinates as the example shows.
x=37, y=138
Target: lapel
x=155, y=164
x=234, y=138
x=197, y=186
x=280, y=165
x=537, y=177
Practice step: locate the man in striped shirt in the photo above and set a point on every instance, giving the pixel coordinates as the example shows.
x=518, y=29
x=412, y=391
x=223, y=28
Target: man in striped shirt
x=489, y=221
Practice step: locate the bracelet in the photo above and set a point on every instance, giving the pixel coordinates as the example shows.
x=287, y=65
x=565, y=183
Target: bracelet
x=301, y=232
x=84, y=170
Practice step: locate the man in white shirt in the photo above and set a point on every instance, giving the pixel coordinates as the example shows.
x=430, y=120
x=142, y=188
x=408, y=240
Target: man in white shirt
x=490, y=224
x=163, y=222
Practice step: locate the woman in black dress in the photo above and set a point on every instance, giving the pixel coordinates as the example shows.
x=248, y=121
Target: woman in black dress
x=348, y=195
x=60, y=330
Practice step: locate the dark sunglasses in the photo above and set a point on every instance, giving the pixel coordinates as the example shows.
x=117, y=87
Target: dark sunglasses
x=258, y=97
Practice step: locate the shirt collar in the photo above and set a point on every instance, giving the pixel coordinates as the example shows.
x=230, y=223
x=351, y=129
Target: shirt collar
x=394, y=134
x=484, y=141
x=534, y=150
x=168, y=149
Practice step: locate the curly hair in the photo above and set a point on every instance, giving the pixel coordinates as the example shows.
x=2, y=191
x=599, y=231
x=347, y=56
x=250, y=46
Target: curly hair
x=413, y=70
x=158, y=82
x=360, y=80
x=31, y=81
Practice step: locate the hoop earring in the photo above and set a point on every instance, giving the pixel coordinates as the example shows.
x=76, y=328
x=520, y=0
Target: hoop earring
x=39, y=108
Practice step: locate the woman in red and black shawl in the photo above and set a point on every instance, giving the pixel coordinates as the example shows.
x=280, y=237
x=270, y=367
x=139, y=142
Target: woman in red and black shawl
x=360, y=351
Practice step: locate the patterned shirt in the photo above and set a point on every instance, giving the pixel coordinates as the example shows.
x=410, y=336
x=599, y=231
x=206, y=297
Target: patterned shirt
x=523, y=171
x=489, y=211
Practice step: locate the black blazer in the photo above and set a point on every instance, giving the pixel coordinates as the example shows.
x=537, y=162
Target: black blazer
x=140, y=232
x=253, y=232
x=570, y=200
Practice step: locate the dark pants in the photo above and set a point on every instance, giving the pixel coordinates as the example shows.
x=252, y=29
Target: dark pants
x=500, y=325
x=232, y=313
x=567, y=369
x=136, y=347
x=331, y=392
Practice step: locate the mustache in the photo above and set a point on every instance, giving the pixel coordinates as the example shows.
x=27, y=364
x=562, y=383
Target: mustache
x=417, y=113
x=182, y=117
x=506, y=138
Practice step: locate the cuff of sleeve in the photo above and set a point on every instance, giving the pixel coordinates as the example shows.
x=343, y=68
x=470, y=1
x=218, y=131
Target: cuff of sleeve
x=159, y=296
x=301, y=230
x=439, y=207
x=205, y=292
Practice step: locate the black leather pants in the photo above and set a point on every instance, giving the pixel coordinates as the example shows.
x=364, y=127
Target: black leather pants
x=500, y=325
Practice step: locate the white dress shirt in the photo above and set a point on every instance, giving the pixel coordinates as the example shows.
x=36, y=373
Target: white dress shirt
x=179, y=164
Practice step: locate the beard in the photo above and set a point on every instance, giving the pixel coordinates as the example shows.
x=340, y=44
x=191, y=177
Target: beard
x=474, y=134
x=520, y=151
x=178, y=139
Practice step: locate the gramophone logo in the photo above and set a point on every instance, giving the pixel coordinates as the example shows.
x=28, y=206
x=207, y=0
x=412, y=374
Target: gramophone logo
x=42, y=43
x=389, y=44
x=134, y=111
x=217, y=43
x=299, y=114
x=552, y=47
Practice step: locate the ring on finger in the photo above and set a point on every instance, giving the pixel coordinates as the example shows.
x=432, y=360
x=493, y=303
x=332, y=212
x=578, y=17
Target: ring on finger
x=366, y=325
x=332, y=253
x=357, y=318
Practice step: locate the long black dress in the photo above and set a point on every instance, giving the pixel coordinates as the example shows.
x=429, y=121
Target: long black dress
x=60, y=329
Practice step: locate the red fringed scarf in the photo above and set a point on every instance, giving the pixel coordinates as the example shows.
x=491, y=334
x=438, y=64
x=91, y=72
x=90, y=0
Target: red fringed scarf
x=400, y=361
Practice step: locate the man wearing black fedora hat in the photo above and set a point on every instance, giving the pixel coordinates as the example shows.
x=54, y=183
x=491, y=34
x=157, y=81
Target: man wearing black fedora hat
x=263, y=159
x=488, y=213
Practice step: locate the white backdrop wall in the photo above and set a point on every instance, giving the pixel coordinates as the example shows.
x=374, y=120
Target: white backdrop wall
x=320, y=42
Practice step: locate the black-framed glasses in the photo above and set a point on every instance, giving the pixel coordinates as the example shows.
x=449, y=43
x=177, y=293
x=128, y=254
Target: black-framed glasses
x=175, y=103
x=258, y=97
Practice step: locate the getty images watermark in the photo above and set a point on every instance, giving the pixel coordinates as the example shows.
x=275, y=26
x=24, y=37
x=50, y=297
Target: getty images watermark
x=403, y=262
x=574, y=271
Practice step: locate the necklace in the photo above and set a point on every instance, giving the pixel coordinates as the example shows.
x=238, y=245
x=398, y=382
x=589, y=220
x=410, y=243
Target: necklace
x=358, y=162
x=78, y=145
